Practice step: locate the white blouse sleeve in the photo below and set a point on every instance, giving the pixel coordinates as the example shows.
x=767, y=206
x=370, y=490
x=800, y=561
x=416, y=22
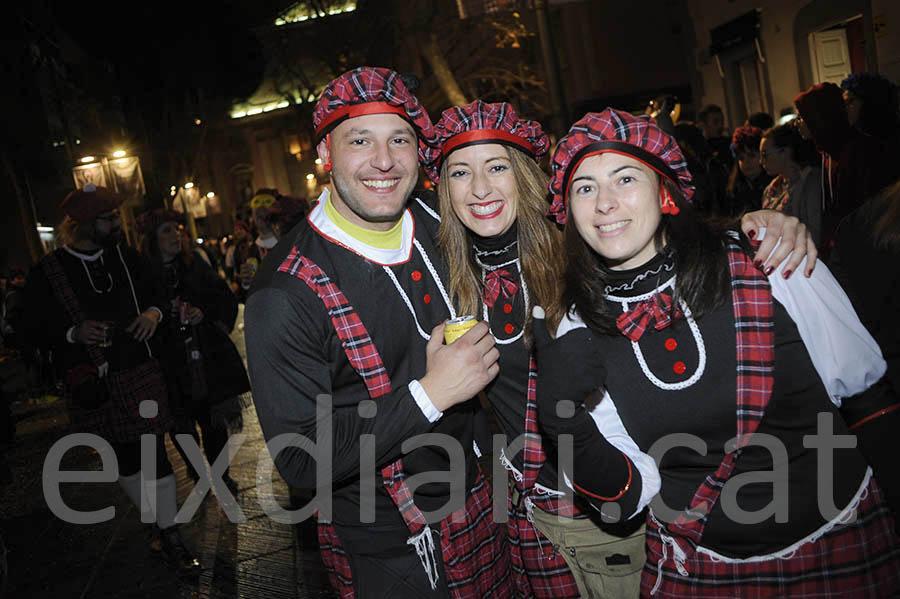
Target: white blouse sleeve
x=608, y=422
x=845, y=355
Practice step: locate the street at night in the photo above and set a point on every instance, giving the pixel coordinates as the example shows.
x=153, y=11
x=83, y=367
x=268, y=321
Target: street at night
x=450, y=299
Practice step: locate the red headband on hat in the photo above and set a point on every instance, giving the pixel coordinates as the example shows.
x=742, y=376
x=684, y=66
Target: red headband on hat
x=623, y=133
x=480, y=122
x=370, y=90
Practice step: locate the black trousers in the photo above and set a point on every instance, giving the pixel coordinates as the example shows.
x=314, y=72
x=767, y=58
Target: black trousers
x=389, y=573
x=214, y=441
x=129, y=457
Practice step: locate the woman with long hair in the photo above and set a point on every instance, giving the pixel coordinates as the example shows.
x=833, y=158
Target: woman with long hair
x=208, y=384
x=796, y=187
x=504, y=257
x=748, y=180
x=681, y=332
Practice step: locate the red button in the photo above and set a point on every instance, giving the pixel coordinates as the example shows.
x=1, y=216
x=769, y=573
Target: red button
x=416, y=275
x=671, y=344
x=427, y=298
x=507, y=308
x=509, y=328
x=679, y=367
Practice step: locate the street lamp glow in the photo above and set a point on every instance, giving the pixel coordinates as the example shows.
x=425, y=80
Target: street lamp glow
x=318, y=161
x=87, y=159
x=310, y=177
x=172, y=188
x=210, y=194
x=118, y=153
x=189, y=185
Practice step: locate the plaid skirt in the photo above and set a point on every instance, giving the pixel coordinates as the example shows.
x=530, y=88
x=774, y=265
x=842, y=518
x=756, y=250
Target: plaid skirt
x=858, y=560
x=119, y=419
x=473, y=549
x=540, y=571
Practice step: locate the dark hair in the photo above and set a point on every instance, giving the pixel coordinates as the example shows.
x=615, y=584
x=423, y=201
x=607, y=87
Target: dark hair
x=763, y=120
x=803, y=151
x=701, y=265
x=879, y=115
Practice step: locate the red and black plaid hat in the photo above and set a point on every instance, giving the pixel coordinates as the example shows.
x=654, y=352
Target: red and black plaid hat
x=149, y=221
x=620, y=132
x=90, y=202
x=479, y=123
x=746, y=137
x=370, y=90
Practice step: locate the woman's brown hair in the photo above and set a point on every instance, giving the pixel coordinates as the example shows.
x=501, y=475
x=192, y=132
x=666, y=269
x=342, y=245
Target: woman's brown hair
x=540, y=245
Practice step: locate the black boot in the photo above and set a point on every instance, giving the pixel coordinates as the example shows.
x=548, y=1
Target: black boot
x=177, y=554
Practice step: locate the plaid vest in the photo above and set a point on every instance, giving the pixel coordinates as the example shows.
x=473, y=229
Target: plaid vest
x=755, y=343
x=470, y=573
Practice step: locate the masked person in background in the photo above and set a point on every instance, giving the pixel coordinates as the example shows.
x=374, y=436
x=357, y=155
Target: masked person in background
x=208, y=384
x=97, y=304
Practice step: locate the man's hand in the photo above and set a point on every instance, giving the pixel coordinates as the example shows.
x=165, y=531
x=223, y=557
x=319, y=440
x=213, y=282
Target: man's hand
x=457, y=372
x=796, y=242
x=143, y=327
x=89, y=332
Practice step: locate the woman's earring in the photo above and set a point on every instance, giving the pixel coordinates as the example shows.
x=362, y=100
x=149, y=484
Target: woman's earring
x=668, y=203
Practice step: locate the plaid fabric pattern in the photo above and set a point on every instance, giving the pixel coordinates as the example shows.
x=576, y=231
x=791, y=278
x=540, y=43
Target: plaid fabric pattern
x=754, y=326
x=499, y=282
x=860, y=559
x=357, y=344
x=363, y=85
x=474, y=554
x=119, y=419
x=337, y=565
x=539, y=570
x=499, y=118
x=656, y=311
x=619, y=126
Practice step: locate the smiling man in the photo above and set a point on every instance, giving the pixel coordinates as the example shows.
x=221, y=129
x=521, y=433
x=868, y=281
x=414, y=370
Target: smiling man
x=350, y=308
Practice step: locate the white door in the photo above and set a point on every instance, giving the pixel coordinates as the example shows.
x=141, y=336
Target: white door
x=830, y=55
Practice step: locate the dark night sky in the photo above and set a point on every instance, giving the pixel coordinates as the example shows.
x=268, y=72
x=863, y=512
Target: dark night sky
x=206, y=43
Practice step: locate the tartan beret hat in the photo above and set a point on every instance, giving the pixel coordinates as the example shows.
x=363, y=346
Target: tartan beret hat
x=479, y=122
x=620, y=132
x=370, y=90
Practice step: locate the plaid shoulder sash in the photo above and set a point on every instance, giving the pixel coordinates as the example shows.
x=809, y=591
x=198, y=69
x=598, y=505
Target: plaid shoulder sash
x=365, y=359
x=754, y=328
x=65, y=295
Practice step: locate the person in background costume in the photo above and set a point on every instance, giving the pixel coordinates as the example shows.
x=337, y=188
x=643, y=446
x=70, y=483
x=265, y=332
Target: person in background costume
x=350, y=307
x=683, y=332
x=748, y=180
x=96, y=305
x=207, y=381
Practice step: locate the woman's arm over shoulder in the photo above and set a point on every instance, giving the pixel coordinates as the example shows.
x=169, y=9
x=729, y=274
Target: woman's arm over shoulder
x=843, y=352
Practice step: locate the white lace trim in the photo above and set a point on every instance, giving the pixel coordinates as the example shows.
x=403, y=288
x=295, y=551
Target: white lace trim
x=427, y=209
x=434, y=275
x=667, y=266
x=695, y=331
x=847, y=515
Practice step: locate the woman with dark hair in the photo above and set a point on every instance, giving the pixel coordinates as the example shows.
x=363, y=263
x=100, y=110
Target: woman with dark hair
x=207, y=381
x=796, y=187
x=504, y=257
x=682, y=332
x=748, y=180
